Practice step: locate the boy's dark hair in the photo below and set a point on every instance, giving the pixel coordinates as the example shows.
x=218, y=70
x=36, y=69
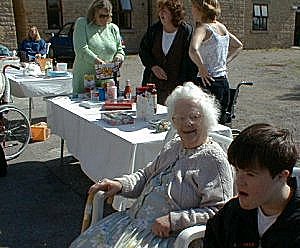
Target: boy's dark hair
x=263, y=146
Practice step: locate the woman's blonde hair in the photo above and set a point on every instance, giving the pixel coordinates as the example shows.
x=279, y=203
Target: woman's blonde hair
x=207, y=103
x=37, y=35
x=98, y=4
x=210, y=8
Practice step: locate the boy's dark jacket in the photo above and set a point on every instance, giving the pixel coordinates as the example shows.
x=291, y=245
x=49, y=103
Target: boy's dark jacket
x=234, y=227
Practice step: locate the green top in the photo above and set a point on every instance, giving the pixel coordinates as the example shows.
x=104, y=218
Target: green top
x=92, y=41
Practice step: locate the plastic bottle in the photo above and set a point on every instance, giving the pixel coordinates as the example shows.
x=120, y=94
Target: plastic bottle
x=54, y=63
x=128, y=90
x=112, y=91
x=152, y=90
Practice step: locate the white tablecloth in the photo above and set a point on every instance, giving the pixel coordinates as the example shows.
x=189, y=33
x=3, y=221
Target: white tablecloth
x=103, y=150
x=30, y=86
x=9, y=61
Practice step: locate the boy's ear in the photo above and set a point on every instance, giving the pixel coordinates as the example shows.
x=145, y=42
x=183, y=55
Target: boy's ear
x=284, y=174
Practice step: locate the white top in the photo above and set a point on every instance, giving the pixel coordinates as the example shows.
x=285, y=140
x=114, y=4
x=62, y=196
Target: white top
x=214, y=52
x=167, y=40
x=264, y=221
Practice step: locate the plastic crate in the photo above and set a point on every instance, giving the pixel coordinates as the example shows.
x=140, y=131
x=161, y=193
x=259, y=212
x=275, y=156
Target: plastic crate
x=40, y=132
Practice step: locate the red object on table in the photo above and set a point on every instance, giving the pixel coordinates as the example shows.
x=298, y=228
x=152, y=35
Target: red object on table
x=117, y=105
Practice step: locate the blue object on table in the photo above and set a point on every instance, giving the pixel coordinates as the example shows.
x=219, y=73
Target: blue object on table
x=57, y=73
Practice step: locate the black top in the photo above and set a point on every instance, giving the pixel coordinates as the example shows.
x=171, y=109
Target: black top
x=233, y=226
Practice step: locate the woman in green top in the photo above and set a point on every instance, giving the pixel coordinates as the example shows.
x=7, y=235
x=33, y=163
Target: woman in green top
x=96, y=40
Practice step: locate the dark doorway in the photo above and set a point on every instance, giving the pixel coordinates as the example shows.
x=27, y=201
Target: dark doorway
x=297, y=28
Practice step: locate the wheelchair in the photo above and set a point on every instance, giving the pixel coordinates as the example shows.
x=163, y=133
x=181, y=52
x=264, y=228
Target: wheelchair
x=14, y=125
x=233, y=96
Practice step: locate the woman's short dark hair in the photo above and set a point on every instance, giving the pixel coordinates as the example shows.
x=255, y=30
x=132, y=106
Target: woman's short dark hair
x=176, y=8
x=98, y=4
x=264, y=146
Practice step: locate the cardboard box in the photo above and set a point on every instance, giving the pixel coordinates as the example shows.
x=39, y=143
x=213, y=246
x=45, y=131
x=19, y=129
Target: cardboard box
x=40, y=132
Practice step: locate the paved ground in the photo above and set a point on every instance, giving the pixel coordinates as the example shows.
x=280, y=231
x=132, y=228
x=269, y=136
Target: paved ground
x=42, y=202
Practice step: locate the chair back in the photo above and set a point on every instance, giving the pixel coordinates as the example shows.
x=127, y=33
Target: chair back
x=296, y=171
x=48, y=44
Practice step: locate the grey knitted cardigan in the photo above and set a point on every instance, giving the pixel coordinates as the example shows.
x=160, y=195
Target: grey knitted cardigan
x=200, y=186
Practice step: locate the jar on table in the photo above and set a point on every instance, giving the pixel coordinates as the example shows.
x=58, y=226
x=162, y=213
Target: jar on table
x=128, y=90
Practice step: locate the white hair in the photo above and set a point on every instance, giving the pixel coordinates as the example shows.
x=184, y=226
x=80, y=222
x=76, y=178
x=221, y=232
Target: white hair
x=207, y=104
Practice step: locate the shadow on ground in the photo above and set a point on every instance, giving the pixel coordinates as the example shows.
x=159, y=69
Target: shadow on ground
x=42, y=204
x=293, y=96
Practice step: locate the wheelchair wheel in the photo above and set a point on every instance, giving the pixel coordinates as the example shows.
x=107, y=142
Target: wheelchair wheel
x=14, y=131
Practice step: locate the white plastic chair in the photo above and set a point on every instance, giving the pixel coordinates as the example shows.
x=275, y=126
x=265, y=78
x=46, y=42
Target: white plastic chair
x=48, y=44
x=184, y=238
x=94, y=208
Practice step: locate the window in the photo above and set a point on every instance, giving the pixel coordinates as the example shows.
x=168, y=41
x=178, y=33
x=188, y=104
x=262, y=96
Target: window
x=122, y=10
x=54, y=14
x=260, y=17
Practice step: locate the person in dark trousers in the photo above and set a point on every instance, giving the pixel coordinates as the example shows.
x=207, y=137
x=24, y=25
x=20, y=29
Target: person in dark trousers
x=266, y=211
x=3, y=163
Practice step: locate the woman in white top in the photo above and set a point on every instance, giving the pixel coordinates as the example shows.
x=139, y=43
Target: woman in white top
x=211, y=48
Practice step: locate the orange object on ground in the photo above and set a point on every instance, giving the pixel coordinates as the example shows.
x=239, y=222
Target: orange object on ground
x=40, y=132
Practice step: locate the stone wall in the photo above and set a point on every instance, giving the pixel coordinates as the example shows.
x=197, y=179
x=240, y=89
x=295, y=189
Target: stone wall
x=7, y=25
x=17, y=15
x=281, y=25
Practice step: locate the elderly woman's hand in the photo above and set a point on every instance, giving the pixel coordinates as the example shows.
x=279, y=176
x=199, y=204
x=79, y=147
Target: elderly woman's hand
x=162, y=226
x=110, y=187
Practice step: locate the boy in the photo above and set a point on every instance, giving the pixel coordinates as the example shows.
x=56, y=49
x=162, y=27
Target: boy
x=266, y=211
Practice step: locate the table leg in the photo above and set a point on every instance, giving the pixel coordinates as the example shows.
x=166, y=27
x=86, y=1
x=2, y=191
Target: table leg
x=29, y=111
x=62, y=142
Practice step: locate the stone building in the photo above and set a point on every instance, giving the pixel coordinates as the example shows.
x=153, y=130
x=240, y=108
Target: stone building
x=258, y=23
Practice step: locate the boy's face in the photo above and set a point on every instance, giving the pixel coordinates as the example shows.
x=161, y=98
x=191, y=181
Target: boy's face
x=256, y=187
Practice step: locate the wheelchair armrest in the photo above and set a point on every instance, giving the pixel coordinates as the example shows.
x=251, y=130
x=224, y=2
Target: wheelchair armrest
x=189, y=234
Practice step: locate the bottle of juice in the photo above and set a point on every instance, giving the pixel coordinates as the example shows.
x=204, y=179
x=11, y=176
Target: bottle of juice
x=128, y=90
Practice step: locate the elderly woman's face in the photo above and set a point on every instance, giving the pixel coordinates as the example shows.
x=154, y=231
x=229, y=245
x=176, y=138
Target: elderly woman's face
x=188, y=121
x=165, y=16
x=102, y=17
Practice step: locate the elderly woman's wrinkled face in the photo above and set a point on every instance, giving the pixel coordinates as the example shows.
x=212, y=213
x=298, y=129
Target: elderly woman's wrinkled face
x=165, y=16
x=188, y=121
x=102, y=17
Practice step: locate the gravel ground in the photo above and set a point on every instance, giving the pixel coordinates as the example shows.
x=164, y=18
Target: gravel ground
x=275, y=96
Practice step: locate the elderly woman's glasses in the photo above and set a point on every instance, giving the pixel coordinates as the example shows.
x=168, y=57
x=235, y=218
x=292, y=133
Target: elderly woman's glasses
x=192, y=117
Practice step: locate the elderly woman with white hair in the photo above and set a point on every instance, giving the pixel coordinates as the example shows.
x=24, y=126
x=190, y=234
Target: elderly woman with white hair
x=185, y=185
